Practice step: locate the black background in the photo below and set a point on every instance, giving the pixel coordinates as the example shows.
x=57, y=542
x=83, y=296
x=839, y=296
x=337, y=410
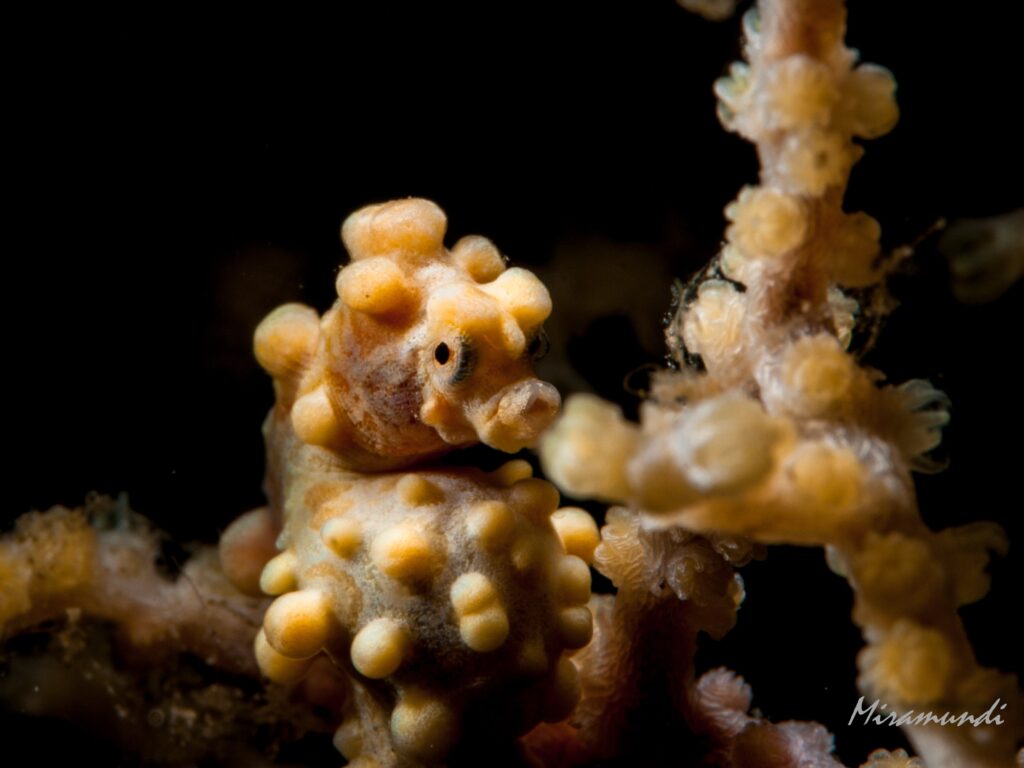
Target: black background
x=173, y=177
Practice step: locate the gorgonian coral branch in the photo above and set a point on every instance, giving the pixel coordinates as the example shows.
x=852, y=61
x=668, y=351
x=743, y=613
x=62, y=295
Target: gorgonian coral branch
x=783, y=436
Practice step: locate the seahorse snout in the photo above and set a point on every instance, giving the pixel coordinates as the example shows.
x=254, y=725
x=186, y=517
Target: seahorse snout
x=515, y=417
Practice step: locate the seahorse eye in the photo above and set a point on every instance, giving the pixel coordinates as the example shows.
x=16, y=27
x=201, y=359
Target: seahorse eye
x=466, y=363
x=457, y=361
x=442, y=354
x=538, y=346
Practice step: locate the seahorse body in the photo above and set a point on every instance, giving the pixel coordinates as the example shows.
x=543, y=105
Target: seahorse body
x=446, y=593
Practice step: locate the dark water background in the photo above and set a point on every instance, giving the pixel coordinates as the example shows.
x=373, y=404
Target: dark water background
x=171, y=178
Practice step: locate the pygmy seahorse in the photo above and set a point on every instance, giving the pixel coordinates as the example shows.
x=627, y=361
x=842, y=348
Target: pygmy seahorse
x=448, y=595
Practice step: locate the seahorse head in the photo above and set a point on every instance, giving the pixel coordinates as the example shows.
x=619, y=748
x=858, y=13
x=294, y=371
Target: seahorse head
x=425, y=350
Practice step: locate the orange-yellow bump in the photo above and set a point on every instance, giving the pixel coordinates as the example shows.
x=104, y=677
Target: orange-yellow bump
x=342, y=535
x=276, y=666
x=575, y=626
x=297, y=624
x=491, y=523
x=409, y=227
x=412, y=226
x=286, y=339
x=485, y=631
x=565, y=692
x=572, y=580
x=416, y=490
x=313, y=418
x=279, y=574
x=479, y=257
x=512, y=472
x=534, y=498
x=472, y=593
x=483, y=623
x=379, y=647
x=375, y=285
x=523, y=295
x=577, y=531
x=423, y=727
x=407, y=554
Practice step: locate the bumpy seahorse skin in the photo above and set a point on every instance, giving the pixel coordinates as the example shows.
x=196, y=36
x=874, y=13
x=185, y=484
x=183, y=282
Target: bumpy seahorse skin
x=425, y=349
x=449, y=595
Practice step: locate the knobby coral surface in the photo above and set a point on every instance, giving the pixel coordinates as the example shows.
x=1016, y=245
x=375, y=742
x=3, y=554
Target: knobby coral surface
x=770, y=430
